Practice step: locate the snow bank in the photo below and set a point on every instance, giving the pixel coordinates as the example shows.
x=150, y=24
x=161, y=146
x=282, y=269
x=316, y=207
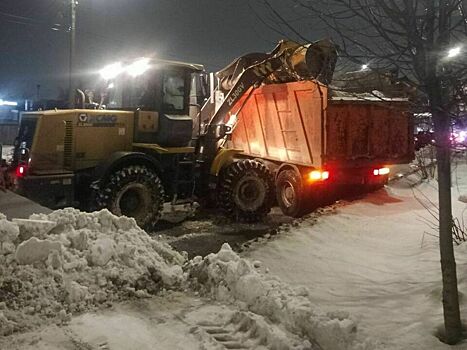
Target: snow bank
x=69, y=261
x=227, y=277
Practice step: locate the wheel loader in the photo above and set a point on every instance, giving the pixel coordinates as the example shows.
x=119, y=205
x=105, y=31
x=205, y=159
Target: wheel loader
x=158, y=135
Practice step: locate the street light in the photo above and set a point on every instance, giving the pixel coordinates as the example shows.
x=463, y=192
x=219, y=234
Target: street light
x=455, y=51
x=365, y=66
x=8, y=103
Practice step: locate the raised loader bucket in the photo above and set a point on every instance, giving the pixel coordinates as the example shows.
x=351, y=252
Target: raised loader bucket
x=318, y=62
x=311, y=61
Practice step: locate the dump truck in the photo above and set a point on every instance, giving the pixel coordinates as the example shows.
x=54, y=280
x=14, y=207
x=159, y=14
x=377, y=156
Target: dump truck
x=156, y=135
x=315, y=144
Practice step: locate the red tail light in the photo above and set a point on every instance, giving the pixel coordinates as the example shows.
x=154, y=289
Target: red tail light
x=21, y=170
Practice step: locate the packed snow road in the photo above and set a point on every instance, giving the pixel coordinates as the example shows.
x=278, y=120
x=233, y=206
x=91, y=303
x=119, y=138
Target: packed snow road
x=378, y=259
x=206, y=232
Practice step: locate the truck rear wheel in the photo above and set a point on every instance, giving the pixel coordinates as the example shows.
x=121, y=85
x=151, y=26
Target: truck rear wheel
x=134, y=191
x=246, y=191
x=290, y=193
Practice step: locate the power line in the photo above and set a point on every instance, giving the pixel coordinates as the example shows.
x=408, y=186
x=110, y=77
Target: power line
x=27, y=21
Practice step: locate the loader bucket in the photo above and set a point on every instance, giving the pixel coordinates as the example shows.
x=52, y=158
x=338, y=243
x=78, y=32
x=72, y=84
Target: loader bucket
x=311, y=61
x=317, y=62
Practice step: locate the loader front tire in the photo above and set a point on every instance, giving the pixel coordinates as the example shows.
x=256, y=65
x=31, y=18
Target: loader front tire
x=246, y=191
x=134, y=191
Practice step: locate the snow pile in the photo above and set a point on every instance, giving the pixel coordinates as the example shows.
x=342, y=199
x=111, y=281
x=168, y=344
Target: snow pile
x=69, y=261
x=227, y=277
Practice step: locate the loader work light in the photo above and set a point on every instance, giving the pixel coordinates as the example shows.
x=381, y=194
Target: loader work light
x=134, y=69
x=138, y=67
x=111, y=71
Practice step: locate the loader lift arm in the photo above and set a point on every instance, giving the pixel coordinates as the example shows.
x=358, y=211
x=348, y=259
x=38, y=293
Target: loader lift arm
x=249, y=78
x=288, y=62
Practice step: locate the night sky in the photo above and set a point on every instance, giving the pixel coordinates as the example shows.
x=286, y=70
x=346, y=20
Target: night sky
x=210, y=32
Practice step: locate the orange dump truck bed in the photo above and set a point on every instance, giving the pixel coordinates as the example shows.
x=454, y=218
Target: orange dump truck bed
x=295, y=123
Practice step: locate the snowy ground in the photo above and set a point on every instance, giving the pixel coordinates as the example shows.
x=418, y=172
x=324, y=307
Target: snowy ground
x=174, y=321
x=15, y=206
x=371, y=268
x=376, y=258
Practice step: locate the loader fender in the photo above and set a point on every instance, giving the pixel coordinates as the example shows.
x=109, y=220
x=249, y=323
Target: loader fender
x=223, y=158
x=119, y=160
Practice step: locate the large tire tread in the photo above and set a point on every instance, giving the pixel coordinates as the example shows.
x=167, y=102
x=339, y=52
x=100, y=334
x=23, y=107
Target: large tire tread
x=228, y=180
x=138, y=174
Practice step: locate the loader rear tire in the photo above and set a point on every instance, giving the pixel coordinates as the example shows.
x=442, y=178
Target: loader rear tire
x=290, y=193
x=246, y=191
x=134, y=191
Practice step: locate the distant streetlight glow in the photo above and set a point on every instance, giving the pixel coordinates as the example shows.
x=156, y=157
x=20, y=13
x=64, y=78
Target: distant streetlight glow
x=111, y=71
x=455, y=51
x=138, y=67
x=8, y=103
x=365, y=66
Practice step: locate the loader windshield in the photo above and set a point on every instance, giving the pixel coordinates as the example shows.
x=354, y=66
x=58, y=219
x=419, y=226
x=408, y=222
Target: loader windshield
x=166, y=91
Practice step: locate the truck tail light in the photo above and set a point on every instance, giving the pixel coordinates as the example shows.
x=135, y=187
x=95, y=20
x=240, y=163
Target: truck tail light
x=381, y=171
x=317, y=175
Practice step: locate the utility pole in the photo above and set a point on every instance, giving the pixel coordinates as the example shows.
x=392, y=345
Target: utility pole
x=71, y=86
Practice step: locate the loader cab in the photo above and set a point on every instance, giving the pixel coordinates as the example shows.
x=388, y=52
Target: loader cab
x=166, y=100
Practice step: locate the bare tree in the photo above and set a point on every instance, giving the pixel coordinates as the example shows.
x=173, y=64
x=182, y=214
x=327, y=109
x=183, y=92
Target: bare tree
x=422, y=41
